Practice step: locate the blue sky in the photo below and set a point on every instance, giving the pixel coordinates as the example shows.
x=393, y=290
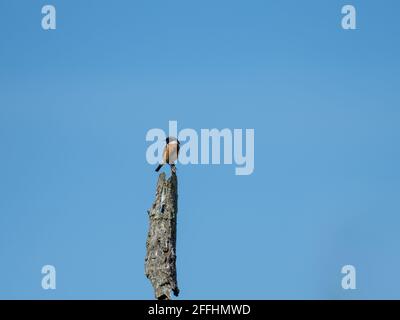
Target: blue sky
x=77, y=102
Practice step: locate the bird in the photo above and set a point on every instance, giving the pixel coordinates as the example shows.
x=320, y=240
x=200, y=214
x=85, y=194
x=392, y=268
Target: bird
x=170, y=153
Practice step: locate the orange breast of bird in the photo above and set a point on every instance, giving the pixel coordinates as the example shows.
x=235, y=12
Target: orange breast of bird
x=171, y=153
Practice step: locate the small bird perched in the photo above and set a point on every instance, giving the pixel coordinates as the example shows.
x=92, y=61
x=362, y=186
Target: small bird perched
x=170, y=153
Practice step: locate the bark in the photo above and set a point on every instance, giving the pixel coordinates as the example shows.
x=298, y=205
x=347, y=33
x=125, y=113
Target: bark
x=160, y=261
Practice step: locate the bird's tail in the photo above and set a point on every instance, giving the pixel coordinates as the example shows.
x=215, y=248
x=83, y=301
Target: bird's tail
x=159, y=167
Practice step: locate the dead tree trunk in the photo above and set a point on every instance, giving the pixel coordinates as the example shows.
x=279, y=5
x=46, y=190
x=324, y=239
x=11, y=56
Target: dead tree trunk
x=160, y=262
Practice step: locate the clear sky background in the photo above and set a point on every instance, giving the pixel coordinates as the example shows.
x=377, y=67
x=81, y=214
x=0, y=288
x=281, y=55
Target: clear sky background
x=77, y=102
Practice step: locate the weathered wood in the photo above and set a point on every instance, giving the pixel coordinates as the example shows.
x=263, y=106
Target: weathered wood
x=160, y=262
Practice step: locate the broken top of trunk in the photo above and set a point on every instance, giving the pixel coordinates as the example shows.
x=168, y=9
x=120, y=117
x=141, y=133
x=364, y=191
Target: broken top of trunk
x=160, y=262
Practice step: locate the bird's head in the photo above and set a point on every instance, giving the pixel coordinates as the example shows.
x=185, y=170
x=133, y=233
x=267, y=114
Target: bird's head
x=171, y=139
